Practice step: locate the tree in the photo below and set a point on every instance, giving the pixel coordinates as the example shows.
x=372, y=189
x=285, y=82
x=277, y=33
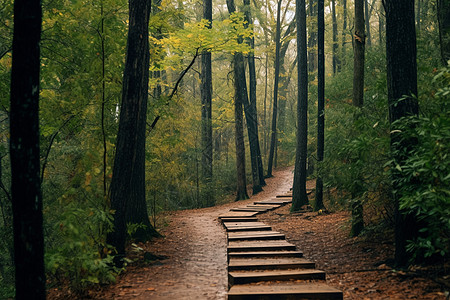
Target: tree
x=344, y=30
x=312, y=40
x=252, y=99
x=206, y=92
x=358, y=100
x=240, y=95
x=273, y=138
x=299, y=197
x=321, y=98
x=128, y=180
x=367, y=13
x=358, y=50
x=444, y=29
x=24, y=151
x=336, y=62
x=401, y=62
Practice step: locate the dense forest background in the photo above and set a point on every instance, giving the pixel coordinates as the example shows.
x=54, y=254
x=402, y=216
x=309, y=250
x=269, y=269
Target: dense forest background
x=83, y=47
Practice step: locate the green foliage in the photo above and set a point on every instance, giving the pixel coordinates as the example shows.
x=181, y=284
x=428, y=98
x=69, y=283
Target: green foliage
x=80, y=256
x=424, y=181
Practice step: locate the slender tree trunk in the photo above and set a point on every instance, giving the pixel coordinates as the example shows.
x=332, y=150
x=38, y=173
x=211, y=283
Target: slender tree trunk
x=24, y=152
x=381, y=27
x=358, y=96
x=251, y=108
x=206, y=92
x=358, y=60
x=128, y=181
x=401, y=81
x=240, y=93
x=321, y=100
x=299, y=197
x=336, y=62
x=367, y=22
x=444, y=29
x=273, y=139
x=312, y=40
x=344, y=31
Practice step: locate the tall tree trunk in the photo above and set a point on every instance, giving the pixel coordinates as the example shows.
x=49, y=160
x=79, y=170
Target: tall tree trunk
x=299, y=197
x=285, y=77
x=358, y=50
x=24, y=152
x=273, y=138
x=251, y=110
x=240, y=93
x=336, y=62
x=206, y=92
x=444, y=29
x=401, y=62
x=358, y=96
x=321, y=100
x=312, y=40
x=128, y=180
x=367, y=22
x=344, y=31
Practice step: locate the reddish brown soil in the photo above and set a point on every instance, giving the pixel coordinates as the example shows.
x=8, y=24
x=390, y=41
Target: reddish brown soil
x=194, y=247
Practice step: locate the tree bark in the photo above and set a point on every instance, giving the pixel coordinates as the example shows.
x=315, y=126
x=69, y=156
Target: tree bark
x=444, y=29
x=344, y=31
x=367, y=22
x=24, y=152
x=321, y=99
x=240, y=93
x=273, y=138
x=128, y=180
x=299, y=197
x=336, y=62
x=312, y=40
x=401, y=62
x=206, y=92
x=358, y=50
x=250, y=109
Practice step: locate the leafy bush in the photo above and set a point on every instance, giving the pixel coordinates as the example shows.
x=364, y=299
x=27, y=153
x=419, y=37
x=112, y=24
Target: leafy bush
x=80, y=254
x=424, y=184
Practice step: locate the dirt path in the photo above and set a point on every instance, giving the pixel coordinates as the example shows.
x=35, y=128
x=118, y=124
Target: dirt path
x=195, y=247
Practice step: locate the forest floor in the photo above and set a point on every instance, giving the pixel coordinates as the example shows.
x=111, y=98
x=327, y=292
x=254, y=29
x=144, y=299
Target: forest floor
x=193, y=263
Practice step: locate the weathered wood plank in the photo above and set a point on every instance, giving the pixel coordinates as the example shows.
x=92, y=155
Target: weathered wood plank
x=269, y=263
x=266, y=254
x=232, y=214
x=284, y=291
x=243, y=277
x=259, y=246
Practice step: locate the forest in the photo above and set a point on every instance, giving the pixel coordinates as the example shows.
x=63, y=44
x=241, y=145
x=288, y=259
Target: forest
x=114, y=113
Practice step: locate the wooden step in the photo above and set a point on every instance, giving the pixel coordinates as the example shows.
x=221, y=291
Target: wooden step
x=283, y=291
x=284, y=196
x=239, y=219
x=265, y=206
x=240, y=214
x=248, y=228
x=278, y=201
x=269, y=263
x=253, y=246
x=272, y=254
x=276, y=275
x=251, y=209
x=255, y=235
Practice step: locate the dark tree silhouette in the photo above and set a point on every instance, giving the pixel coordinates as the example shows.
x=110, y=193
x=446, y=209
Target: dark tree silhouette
x=320, y=98
x=401, y=62
x=128, y=181
x=206, y=92
x=273, y=139
x=24, y=152
x=299, y=197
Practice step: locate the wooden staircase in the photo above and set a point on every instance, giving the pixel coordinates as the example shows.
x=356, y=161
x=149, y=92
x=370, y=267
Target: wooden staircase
x=263, y=265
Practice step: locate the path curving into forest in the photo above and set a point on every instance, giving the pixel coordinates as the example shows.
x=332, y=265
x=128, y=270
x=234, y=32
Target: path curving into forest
x=195, y=245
